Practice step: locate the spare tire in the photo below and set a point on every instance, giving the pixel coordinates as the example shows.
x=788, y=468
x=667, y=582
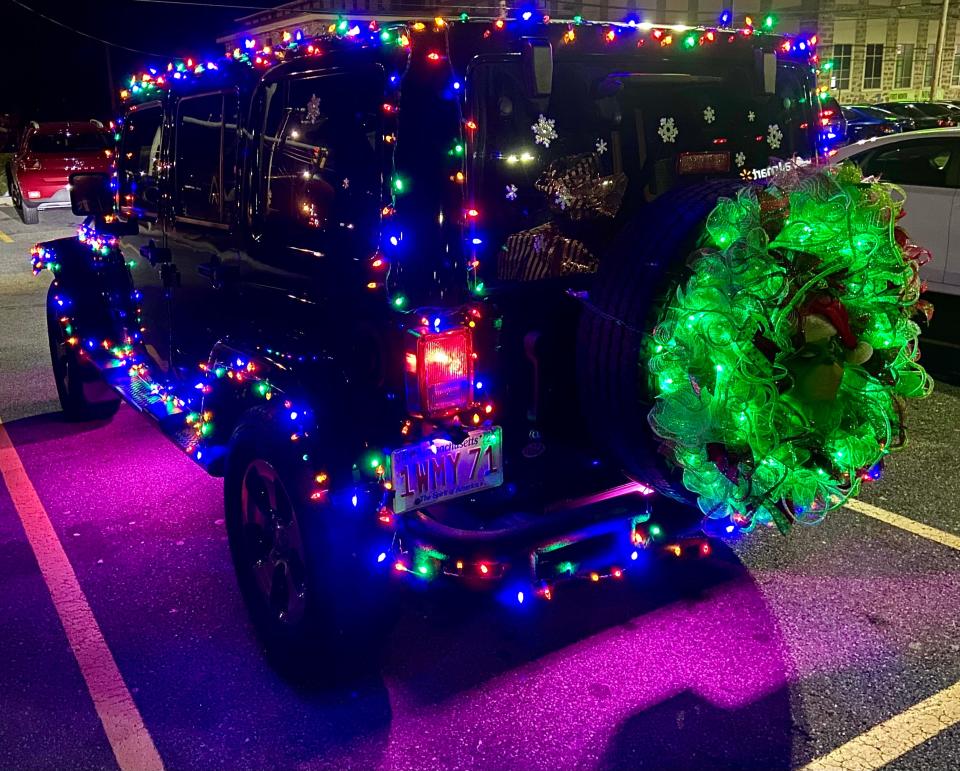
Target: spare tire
x=642, y=268
x=782, y=351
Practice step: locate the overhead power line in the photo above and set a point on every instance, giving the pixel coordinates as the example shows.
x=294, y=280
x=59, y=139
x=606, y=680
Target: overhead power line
x=86, y=34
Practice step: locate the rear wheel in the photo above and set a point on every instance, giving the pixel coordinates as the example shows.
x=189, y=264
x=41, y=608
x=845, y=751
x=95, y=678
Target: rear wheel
x=644, y=266
x=315, y=612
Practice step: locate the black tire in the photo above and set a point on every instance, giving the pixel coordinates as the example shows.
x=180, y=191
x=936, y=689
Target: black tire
x=75, y=379
x=644, y=265
x=8, y=173
x=29, y=214
x=320, y=610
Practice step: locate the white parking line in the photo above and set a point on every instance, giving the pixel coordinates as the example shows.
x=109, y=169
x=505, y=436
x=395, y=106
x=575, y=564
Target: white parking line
x=128, y=736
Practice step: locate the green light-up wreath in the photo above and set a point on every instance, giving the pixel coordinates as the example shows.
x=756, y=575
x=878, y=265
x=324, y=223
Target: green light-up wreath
x=780, y=368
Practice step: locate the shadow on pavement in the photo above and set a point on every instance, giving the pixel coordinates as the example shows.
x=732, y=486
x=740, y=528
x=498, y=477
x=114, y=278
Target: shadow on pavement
x=51, y=426
x=682, y=667
x=688, y=732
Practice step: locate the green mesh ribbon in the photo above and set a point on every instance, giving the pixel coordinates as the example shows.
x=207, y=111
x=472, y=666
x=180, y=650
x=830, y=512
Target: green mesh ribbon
x=779, y=370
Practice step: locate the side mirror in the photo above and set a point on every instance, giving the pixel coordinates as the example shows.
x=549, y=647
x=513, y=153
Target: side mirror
x=90, y=194
x=537, y=57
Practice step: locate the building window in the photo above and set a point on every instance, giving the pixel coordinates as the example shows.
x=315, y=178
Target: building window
x=955, y=79
x=842, y=56
x=903, y=66
x=928, y=64
x=873, y=66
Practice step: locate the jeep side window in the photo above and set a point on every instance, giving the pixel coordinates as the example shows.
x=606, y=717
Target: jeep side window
x=320, y=160
x=139, y=161
x=206, y=137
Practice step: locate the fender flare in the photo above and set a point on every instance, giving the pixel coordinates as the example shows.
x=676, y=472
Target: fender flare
x=239, y=380
x=91, y=286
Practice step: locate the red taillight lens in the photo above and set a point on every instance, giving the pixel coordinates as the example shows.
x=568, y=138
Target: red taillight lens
x=443, y=366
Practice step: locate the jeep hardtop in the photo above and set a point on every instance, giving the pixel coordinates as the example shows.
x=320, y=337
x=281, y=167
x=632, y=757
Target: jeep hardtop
x=361, y=276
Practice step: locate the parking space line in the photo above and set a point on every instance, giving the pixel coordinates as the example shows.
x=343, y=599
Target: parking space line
x=128, y=736
x=5, y=238
x=889, y=740
x=904, y=523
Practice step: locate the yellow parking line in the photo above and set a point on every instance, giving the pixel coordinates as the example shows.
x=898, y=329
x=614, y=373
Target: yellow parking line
x=886, y=742
x=917, y=528
x=128, y=736
x=5, y=238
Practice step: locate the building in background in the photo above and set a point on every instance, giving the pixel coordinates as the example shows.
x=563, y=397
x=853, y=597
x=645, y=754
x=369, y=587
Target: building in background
x=881, y=50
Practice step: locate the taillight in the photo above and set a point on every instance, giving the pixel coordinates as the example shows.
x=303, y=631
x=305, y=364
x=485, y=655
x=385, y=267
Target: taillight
x=439, y=373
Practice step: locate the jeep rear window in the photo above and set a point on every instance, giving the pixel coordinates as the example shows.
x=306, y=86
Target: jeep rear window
x=320, y=159
x=69, y=142
x=642, y=132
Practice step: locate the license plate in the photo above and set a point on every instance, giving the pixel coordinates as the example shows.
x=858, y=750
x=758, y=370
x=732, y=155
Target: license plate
x=439, y=469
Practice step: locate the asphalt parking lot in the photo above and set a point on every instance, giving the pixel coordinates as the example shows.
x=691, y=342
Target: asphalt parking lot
x=838, y=646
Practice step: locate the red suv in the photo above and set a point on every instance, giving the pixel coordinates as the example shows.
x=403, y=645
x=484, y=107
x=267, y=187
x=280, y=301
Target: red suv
x=47, y=155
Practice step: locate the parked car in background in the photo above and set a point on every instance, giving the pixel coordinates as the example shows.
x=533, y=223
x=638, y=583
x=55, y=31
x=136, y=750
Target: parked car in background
x=833, y=123
x=47, y=155
x=924, y=114
x=864, y=121
x=926, y=164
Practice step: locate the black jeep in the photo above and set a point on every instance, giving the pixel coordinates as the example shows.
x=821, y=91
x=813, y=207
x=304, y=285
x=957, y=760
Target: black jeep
x=392, y=285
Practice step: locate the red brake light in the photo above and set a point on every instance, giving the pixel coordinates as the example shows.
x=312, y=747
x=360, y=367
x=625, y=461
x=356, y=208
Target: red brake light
x=441, y=380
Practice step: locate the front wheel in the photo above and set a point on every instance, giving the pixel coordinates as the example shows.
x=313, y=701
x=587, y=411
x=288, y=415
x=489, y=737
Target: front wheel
x=310, y=609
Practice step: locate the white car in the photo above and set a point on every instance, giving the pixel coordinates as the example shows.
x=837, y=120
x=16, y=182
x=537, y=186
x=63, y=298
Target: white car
x=926, y=164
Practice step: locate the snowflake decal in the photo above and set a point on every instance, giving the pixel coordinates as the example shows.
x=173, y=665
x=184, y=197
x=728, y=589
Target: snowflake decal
x=668, y=130
x=346, y=183
x=544, y=130
x=313, y=109
x=740, y=159
x=774, y=135
x=601, y=146
x=511, y=193
x=709, y=115
x=751, y=116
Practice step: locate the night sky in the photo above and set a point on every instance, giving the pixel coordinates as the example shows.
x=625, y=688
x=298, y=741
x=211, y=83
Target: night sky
x=55, y=73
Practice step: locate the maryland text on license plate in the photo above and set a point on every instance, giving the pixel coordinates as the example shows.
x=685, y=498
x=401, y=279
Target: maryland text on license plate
x=437, y=470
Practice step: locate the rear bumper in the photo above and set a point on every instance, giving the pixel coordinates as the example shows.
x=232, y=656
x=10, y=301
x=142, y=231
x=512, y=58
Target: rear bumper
x=595, y=537
x=60, y=199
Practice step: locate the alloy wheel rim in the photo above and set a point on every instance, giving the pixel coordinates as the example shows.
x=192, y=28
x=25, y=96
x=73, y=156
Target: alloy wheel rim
x=272, y=546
